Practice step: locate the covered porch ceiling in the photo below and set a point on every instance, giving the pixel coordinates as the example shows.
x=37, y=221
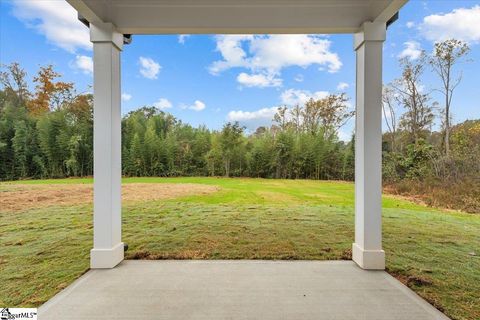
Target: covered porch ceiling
x=237, y=16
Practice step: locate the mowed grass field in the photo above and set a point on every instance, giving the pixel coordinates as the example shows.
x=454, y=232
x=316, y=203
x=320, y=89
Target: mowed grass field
x=46, y=232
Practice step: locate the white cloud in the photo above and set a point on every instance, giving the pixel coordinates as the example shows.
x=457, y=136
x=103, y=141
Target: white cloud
x=162, y=104
x=293, y=97
x=462, y=24
x=149, y=68
x=84, y=64
x=230, y=46
x=196, y=106
x=269, y=54
x=258, y=80
x=253, y=119
x=342, y=86
x=182, y=38
x=56, y=20
x=410, y=24
x=298, y=78
x=126, y=96
x=412, y=50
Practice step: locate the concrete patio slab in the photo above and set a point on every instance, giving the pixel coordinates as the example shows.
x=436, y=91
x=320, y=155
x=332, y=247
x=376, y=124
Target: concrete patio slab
x=237, y=289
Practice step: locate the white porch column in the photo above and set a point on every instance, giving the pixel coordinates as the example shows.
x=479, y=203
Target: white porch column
x=107, y=249
x=367, y=250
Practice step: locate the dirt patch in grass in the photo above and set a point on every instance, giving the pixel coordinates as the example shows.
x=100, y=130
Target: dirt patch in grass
x=346, y=254
x=413, y=280
x=19, y=197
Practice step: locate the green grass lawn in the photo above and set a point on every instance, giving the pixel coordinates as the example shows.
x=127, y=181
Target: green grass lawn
x=437, y=253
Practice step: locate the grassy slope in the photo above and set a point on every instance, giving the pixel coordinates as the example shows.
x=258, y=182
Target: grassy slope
x=43, y=250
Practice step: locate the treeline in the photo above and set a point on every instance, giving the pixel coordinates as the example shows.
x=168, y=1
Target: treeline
x=48, y=134
x=157, y=144
x=440, y=167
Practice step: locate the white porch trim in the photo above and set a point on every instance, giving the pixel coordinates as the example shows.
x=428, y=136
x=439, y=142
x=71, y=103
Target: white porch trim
x=107, y=249
x=367, y=250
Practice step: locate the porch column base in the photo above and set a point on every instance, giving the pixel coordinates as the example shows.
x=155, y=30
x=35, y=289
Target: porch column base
x=368, y=259
x=106, y=258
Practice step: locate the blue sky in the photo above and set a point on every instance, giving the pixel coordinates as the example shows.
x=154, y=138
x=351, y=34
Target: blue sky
x=208, y=79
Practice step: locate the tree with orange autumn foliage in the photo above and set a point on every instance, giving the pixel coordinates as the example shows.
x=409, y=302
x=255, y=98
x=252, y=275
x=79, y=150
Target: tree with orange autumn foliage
x=49, y=95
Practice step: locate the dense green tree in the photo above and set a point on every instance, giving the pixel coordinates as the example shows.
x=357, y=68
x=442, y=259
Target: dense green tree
x=230, y=138
x=213, y=157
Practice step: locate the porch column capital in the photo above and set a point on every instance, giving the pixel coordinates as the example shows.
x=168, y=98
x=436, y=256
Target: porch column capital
x=370, y=31
x=106, y=32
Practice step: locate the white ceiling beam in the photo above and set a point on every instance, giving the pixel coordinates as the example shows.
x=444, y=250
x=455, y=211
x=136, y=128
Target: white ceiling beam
x=84, y=10
x=390, y=10
x=237, y=16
